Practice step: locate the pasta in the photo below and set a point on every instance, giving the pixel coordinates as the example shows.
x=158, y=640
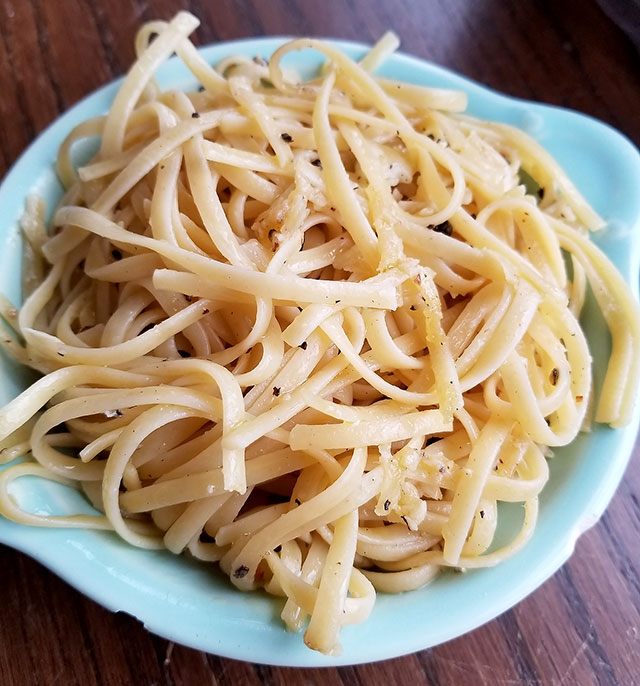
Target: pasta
x=314, y=332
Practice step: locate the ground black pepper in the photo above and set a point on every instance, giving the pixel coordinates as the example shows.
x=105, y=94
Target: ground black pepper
x=444, y=228
x=241, y=572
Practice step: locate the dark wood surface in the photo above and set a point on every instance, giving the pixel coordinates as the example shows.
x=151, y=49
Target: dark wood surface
x=583, y=626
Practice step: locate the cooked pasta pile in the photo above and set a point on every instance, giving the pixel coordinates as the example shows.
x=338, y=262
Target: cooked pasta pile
x=312, y=331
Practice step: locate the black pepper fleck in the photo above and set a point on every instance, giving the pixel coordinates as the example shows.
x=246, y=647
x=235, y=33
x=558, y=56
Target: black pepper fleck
x=241, y=572
x=444, y=228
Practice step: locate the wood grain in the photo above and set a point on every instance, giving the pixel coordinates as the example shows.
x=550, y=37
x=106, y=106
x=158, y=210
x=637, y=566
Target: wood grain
x=582, y=626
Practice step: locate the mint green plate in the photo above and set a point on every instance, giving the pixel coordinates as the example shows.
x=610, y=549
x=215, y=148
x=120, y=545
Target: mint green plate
x=191, y=603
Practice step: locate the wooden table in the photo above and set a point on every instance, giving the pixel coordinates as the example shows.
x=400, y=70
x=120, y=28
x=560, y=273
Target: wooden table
x=583, y=626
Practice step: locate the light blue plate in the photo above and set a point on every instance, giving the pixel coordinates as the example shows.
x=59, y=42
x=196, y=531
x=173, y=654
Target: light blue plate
x=191, y=603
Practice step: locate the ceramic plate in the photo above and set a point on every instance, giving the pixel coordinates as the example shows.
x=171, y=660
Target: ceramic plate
x=191, y=603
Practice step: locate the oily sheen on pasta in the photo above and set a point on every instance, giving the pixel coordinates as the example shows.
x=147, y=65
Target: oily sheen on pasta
x=314, y=332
